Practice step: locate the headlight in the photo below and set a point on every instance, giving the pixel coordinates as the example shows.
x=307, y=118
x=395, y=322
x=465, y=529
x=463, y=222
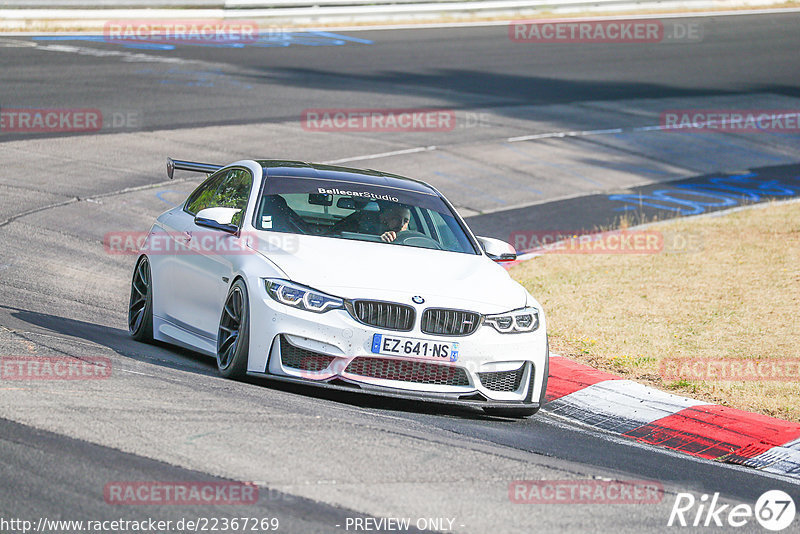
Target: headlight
x=301, y=297
x=513, y=322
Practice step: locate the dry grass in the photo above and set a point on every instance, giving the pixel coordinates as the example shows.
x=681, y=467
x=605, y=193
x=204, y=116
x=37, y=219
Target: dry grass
x=738, y=297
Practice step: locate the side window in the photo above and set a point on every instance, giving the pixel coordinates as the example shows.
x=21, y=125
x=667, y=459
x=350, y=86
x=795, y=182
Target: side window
x=229, y=189
x=198, y=199
x=446, y=234
x=416, y=224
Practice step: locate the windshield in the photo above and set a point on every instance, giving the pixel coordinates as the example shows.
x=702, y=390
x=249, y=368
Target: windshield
x=362, y=212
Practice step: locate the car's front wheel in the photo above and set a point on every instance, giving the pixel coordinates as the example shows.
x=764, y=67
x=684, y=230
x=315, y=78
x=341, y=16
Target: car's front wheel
x=140, y=306
x=233, y=336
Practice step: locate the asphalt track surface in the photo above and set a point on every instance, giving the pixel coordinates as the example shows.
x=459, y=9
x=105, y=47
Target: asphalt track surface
x=322, y=457
x=459, y=68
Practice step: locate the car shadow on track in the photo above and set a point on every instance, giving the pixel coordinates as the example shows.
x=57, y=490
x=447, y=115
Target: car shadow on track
x=162, y=354
x=115, y=339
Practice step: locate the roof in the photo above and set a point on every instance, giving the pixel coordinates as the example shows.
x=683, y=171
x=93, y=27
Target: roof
x=336, y=174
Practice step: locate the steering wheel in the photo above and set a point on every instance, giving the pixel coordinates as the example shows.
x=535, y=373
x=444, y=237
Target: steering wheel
x=416, y=239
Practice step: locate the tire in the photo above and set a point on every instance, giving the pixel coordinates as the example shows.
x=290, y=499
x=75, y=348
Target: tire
x=233, y=336
x=140, y=305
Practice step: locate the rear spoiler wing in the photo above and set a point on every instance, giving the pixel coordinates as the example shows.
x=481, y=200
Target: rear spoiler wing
x=173, y=164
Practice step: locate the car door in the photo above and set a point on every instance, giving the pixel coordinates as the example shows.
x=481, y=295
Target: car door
x=202, y=273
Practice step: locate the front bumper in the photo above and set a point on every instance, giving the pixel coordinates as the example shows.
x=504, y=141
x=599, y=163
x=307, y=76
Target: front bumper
x=474, y=400
x=333, y=350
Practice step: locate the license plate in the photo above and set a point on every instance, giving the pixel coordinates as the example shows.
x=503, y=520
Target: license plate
x=414, y=348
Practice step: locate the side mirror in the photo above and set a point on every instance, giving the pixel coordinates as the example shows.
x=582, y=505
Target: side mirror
x=218, y=219
x=497, y=250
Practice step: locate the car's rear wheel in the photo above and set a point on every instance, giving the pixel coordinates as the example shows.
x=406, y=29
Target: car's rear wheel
x=140, y=306
x=233, y=336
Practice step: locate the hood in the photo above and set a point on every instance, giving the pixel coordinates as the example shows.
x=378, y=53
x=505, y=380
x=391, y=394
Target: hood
x=356, y=269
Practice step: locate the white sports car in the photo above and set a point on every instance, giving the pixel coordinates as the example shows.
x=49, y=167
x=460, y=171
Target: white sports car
x=343, y=278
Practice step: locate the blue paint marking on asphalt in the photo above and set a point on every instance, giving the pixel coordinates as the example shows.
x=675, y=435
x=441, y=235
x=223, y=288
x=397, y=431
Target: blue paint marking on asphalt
x=659, y=201
x=265, y=40
x=101, y=39
x=338, y=37
x=160, y=196
x=714, y=192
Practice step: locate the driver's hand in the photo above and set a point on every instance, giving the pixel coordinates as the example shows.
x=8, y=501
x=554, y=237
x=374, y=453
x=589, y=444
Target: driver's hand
x=388, y=236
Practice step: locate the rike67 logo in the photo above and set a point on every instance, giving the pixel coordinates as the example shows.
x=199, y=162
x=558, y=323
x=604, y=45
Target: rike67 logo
x=774, y=510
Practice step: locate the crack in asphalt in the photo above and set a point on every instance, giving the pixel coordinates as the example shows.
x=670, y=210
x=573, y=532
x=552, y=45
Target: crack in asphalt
x=37, y=210
x=92, y=198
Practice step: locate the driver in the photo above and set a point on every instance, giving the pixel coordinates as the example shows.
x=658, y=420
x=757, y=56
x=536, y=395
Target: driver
x=394, y=220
